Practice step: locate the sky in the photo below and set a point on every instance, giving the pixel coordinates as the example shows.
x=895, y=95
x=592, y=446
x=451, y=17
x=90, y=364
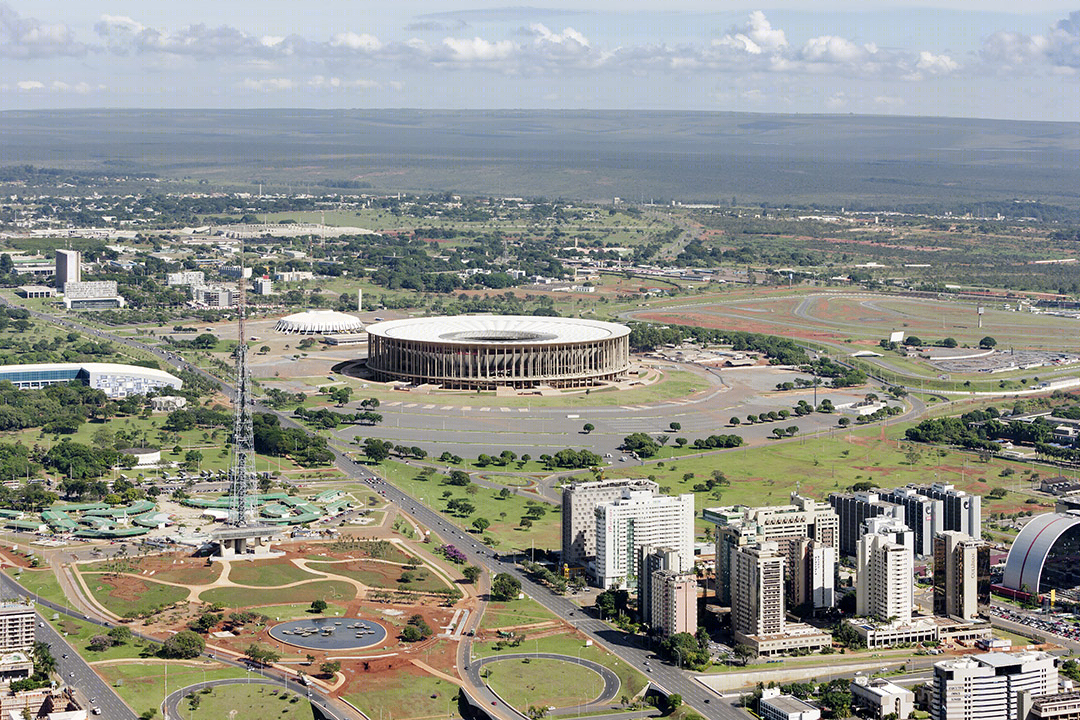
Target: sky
x=913, y=57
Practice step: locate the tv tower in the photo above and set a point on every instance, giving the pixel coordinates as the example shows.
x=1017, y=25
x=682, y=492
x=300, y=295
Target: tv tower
x=242, y=466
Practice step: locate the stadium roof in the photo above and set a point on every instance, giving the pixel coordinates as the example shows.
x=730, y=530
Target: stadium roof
x=498, y=329
x=1032, y=546
x=318, y=322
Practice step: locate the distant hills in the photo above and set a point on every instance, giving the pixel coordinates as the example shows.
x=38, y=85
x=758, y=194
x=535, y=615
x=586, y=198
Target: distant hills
x=835, y=160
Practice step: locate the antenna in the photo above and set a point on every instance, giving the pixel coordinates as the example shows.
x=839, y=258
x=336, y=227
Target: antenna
x=241, y=469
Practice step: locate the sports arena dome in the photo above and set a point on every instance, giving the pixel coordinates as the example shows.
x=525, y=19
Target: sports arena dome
x=319, y=322
x=487, y=351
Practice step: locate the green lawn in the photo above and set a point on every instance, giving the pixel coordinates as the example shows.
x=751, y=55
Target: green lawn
x=136, y=596
x=40, y=582
x=383, y=575
x=142, y=685
x=268, y=573
x=232, y=597
x=281, y=613
x=504, y=514
x=522, y=683
x=78, y=633
x=516, y=612
x=257, y=701
x=570, y=645
x=404, y=695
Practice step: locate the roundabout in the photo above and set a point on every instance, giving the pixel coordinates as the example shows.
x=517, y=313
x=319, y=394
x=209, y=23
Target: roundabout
x=607, y=695
x=347, y=633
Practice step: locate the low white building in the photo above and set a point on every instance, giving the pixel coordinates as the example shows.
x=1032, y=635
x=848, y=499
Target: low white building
x=882, y=697
x=774, y=706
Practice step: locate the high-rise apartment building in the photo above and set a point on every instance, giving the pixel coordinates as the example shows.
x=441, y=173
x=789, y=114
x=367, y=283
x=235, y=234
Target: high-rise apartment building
x=988, y=686
x=959, y=584
x=68, y=268
x=757, y=595
x=635, y=519
x=672, y=602
x=579, y=503
x=853, y=509
x=786, y=525
x=650, y=560
x=963, y=512
x=17, y=621
x=884, y=579
x=813, y=576
x=924, y=515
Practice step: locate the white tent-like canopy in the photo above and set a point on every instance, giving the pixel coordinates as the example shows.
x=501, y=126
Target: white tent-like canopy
x=319, y=322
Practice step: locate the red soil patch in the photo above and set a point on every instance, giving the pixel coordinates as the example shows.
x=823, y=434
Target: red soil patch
x=125, y=587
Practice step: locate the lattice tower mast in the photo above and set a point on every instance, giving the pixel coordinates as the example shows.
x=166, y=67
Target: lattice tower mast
x=242, y=468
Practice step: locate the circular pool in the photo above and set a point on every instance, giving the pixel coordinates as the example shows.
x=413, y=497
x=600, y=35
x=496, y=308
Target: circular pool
x=346, y=633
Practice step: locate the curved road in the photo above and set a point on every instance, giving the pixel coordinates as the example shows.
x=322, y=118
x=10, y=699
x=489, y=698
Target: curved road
x=606, y=696
x=171, y=704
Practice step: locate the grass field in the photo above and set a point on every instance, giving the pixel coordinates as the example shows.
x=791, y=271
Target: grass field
x=182, y=574
x=292, y=611
x=269, y=573
x=403, y=696
x=767, y=474
x=570, y=645
x=516, y=612
x=127, y=596
x=78, y=633
x=383, y=575
x=40, y=582
x=258, y=701
x=328, y=590
x=142, y=685
x=504, y=514
x=540, y=682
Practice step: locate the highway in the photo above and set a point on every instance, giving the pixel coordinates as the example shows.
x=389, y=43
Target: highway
x=69, y=665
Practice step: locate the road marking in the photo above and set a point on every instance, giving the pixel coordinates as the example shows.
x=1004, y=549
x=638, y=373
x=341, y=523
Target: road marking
x=485, y=409
x=410, y=405
x=392, y=404
x=428, y=407
x=523, y=409
x=505, y=409
x=447, y=407
x=466, y=408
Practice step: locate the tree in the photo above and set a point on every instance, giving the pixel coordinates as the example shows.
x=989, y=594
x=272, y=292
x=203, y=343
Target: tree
x=987, y=343
x=411, y=633
x=205, y=341
x=185, y=644
x=641, y=444
x=318, y=606
x=505, y=587
x=843, y=422
x=330, y=668
x=458, y=478
x=588, y=428
x=481, y=524
x=264, y=349
x=674, y=701
x=735, y=420
x=471, y=573
x=192, y=459
x=261, y=654
x=674, y=426
x=744, y=653
x=377, y=450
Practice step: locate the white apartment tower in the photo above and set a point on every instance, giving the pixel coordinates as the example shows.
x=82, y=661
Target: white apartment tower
x=813, y=578
x=987, y=687
x=67, y=268
x=638, y=518
x=16, y=627
x=757, y=590
x=885, y=578
x=579, y=503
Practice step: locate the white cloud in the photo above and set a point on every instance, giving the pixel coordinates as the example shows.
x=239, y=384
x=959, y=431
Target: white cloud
x=30, y=38
x=756, y=37
x=1058, y=48
x=889, y=103
x=833, y=49
x=478, y=50
x=569, y=36
x=28, y=85
x=936, y=64
x=353, y=41
x=334, y=83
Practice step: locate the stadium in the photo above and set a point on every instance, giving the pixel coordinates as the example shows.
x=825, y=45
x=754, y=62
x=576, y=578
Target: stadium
x=319, y=322
x=482, y=352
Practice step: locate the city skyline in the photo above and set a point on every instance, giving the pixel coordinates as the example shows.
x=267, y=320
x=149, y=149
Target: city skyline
x=926, y=58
